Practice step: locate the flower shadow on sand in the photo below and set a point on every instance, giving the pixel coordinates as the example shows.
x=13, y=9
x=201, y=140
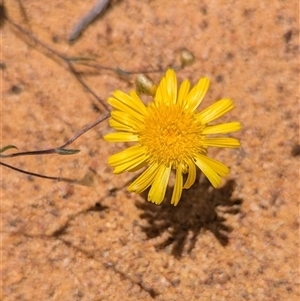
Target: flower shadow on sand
x=200, y=208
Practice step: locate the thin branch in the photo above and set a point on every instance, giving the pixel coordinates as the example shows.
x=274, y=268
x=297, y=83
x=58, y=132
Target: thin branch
x=60, y=56
x=59, y=179
x=80, y=80
x=119, y=71
x=61, y=149
x=85, y=129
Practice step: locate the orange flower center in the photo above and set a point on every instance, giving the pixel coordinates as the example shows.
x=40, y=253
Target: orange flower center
x=171, y=135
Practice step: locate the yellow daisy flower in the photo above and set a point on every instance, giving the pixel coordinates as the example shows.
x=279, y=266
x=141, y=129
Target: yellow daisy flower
x=169, y=134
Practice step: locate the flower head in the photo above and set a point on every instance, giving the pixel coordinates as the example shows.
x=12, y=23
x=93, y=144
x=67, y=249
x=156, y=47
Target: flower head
x=169, y=134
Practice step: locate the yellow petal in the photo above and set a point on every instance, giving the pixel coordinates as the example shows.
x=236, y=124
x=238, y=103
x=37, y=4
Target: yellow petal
x=126, y=155
x=171, y=82
x=221, y=142
x=121, y=105
x=191, y=176
x=177, y=191
x=220, y=168
x=167, y=89
x=126, y=119
x=138, y=103
x=183, y=92
x=158, y=189
x=137, y=167
x=215, y=111
x=159, y=92
x=120, y=126
x=121, y=137
x=223, y=128
x=140, y=161
x=144, y=180
x=197, y=94
x=132, y=101
x=212, y=169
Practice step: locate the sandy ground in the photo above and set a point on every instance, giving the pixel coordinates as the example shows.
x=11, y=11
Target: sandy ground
x=71, y=242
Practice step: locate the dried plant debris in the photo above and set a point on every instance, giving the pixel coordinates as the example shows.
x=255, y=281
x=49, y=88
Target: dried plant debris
x=295, y=150
x=88, y=18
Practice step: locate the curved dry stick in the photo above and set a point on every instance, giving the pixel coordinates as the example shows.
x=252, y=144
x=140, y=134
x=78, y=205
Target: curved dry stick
x=61, y=149
x=88, y=18
x=38, y=175
x=60, y=56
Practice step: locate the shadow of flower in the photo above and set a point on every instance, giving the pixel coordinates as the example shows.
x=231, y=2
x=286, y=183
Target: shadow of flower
x=200, y=207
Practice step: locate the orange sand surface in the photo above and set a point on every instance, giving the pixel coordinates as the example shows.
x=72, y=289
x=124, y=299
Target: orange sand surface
x=98, y=242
